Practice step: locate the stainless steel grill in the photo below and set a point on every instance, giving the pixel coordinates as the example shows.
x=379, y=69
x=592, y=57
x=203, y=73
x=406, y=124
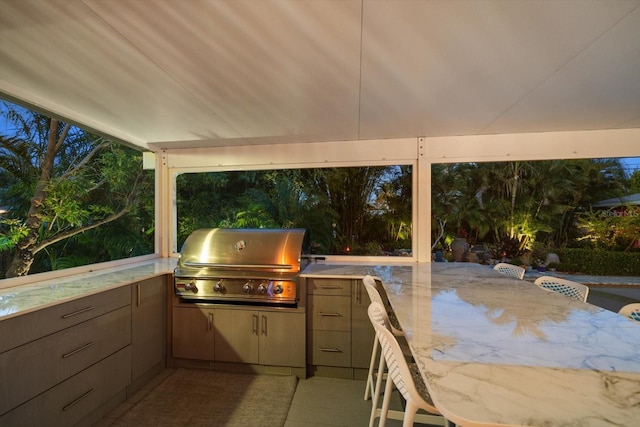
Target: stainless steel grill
x=241, y=266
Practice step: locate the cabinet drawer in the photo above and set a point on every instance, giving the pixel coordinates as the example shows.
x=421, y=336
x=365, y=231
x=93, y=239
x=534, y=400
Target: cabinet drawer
x=39, y=365
x=329, y=348
x=71, y=401
x=328, y=286
x=20, y=330
x=329, y=313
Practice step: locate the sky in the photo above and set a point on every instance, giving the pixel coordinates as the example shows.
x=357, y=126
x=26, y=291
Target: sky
x=631, y=164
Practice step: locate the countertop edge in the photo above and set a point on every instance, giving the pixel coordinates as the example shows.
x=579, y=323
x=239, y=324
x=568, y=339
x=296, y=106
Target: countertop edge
x=69, y=290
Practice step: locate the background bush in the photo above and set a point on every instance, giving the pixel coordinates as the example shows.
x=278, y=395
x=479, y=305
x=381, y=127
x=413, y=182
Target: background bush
x=599, y=262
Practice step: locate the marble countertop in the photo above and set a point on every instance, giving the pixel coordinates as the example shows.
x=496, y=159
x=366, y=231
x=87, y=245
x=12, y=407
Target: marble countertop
x=497, y=351
x=26, y=298
x=494, y=350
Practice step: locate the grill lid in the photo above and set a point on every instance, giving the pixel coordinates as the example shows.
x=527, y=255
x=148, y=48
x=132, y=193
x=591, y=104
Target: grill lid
x=211, y=251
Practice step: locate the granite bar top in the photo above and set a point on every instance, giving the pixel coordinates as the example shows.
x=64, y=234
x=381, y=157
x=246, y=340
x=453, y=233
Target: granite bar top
x=26, y=298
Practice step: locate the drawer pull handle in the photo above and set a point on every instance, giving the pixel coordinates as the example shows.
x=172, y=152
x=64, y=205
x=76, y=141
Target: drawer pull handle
x=68, y=406
x=77, y=350
x=82, y=310
x=330, y=314
x=330, y=350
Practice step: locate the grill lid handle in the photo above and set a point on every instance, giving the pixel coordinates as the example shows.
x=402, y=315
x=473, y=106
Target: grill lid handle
x=219, y=265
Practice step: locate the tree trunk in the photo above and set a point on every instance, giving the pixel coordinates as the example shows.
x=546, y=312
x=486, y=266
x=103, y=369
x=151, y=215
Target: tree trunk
x=26, y=246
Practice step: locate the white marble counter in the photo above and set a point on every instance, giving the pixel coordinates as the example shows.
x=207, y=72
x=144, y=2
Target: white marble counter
x=497, y=351
x=26, y=298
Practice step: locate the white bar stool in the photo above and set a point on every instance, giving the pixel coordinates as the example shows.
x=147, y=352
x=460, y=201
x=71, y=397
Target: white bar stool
x=563, y=286
x=409, y=384
x=632, y=311
x=510, y=270
x=374, y=295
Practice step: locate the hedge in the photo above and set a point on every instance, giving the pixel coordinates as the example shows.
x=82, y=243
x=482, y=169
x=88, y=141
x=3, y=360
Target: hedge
x=599, y=262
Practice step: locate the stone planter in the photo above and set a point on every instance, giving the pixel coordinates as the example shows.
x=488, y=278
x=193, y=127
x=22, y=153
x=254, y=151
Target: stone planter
x=459, y=247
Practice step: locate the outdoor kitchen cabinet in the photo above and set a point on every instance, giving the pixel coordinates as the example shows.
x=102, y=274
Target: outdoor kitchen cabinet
x=193, y=332
x=148, y=328
x=362, y=332
x=61, y=364
x=329, y=322
x=262, y=337
x=80, y=400
x=339, y=331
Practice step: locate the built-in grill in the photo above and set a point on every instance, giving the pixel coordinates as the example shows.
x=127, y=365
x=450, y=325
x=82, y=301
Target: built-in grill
x=241, y=266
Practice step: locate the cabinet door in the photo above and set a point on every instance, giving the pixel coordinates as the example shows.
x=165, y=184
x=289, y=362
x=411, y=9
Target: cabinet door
x=148, y=310
x=193, y=333
x=282, y=339
x=362, y=333
x=237, y=335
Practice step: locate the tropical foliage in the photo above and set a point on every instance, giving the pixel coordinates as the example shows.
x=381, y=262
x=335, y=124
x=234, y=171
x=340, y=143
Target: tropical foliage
x=510, y=206
x=359, y=211
x=71, y=197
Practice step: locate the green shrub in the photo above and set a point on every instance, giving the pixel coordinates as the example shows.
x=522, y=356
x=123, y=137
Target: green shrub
x=599, y=262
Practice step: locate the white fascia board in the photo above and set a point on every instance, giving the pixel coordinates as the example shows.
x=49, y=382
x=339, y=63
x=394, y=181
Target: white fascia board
x=316, y=154
x=535, y=146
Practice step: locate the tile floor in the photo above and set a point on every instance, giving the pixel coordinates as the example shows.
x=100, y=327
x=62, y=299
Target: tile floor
x=317, y=402
x=329, y=402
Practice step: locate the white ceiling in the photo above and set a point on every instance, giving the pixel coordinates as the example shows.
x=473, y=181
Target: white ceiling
x=211, y=72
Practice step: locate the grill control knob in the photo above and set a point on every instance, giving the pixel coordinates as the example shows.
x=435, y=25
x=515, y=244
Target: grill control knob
x=277, y=289
x=262, y=287
x=247, y=288
x=218, y=287
x=191, y=286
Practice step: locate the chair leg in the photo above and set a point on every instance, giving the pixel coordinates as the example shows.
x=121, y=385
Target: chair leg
x=376, y=393
x=409, y=414
x=385, y=402
x=369, y=386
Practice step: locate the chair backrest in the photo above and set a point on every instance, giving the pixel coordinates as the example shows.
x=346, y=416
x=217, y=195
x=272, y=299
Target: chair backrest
x=510, y=270
x=370, y=285
x=398, y=370
x=374, y=295
x=563, y=286
x=632, y=311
